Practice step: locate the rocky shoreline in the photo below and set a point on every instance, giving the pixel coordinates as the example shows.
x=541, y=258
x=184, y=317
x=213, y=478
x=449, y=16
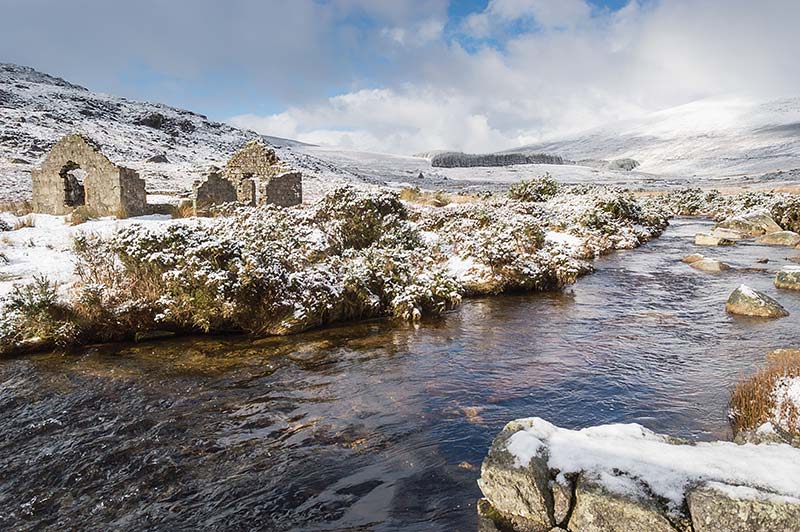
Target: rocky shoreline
x=538, y=477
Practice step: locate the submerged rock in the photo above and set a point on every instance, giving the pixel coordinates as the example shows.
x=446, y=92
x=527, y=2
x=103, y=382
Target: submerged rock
x=694, y=257
x=709, y=265
x=755, y=223
x=780, y=238
x=788, y=278
x=708, y=239
x=715, y=507
x=745, y=301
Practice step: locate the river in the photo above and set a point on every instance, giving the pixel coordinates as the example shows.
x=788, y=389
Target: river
x=373, y=426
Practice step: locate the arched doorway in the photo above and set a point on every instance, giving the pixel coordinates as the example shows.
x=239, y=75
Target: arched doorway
x=73, y=176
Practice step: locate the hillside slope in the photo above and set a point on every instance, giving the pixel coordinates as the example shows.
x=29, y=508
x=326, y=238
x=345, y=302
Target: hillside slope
x=37, y=109
x=716, y=137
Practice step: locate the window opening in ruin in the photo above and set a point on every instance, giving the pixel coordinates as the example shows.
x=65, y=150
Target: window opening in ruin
x=73, y=177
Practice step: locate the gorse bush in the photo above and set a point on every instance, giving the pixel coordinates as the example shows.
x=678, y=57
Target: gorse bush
x=786, y=213
x=534, y=190
x=355, y=254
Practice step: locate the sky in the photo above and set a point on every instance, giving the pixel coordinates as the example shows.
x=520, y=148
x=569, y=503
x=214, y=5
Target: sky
x=408, y=76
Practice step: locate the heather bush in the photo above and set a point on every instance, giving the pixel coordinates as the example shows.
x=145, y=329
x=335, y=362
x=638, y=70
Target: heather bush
x=535, y=190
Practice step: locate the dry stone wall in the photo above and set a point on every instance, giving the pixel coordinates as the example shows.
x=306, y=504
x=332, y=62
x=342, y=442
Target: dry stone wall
x=260, y=178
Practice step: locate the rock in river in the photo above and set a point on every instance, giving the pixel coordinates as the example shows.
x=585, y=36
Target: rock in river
x=707, y=239
x=748, y=302
x=627, y=478
x=709, y=265
x=716, y=506
x=694, y=257
x=788, y=278
x=780, y=238
x=754, y=223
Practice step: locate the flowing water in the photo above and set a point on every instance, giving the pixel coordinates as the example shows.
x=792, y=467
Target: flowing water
x=370, y=427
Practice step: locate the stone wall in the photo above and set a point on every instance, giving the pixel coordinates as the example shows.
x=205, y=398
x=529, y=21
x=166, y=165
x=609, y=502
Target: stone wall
x=285, y=189
x=212, y=190
x=108, y=189
x=259, y=177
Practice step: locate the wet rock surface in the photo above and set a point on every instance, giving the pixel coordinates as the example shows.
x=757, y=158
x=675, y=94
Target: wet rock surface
x=745, y=301
x=718, y=507
x=788, y=278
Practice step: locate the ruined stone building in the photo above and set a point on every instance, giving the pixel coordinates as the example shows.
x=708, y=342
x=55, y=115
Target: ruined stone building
x=212, y=190
x=260, y=178
x=75, y=173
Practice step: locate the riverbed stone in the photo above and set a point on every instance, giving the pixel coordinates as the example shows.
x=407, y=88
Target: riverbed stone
x=598, y=510
x=716, y=507
x=780, y=238
x=694, y=257
x=745, y=301
x=788, y=278
x=730, y=234
x=709, y=265
x=755, y=223
x=521, y=494
x=707, y=239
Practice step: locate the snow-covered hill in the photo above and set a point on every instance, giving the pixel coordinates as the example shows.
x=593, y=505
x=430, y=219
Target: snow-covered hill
x=715, y=137
x=37, y=109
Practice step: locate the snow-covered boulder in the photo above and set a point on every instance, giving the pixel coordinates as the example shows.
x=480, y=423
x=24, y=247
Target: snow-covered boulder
x=788, y=278
x=708, y=239
x=748, y=302
x=780, y=238
x=538, y=476
x=709, y=265
x=754, y=223
x=716, y=506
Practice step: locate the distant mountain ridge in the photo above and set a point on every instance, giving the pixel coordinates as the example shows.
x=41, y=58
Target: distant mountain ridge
x=714, y=137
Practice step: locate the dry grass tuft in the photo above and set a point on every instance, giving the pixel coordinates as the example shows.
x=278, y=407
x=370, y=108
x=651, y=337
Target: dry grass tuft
x=82, y=214
x=184, y=210
x=17, y=208
x=25, y=221
x=438, y=198
x=752, y=401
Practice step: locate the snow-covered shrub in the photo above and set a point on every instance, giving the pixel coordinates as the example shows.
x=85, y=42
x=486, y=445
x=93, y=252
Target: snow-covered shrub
x=5, y=226
x=357, y=219
x=34, y=313
x=536, y=189
x=786, y=213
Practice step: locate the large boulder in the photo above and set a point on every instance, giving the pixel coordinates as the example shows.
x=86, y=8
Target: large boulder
x=539, y=477
x=709, y=265
x=788, y=278
x=599, y=510
x=520, y=492
x=717, y=507
x=745, y=301
x=780, y=238
x=753, y=223
x=730, y=234
x=708, y=239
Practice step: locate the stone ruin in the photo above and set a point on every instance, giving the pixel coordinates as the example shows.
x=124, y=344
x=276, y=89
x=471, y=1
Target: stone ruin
x=76, y=173
x=212, y=190
x=260, y=178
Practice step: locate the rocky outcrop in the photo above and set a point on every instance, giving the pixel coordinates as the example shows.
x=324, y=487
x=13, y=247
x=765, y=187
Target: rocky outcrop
x=788, y=278
x=710, y=239
x=745, y=301
x=716, y=506
x=538, y=477
x=780, y=238
x=754, y=223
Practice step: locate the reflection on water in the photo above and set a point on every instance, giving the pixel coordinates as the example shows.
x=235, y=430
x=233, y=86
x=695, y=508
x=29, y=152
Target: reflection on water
x=370, y=427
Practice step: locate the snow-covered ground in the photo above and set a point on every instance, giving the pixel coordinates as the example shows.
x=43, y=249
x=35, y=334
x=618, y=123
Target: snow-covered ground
x=604, y=451
x=46, y=247
x=712, y=138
